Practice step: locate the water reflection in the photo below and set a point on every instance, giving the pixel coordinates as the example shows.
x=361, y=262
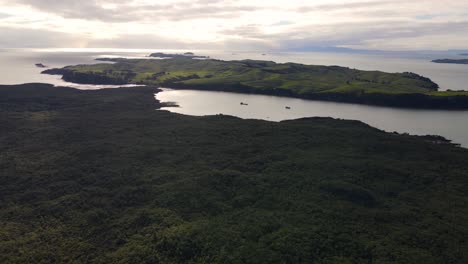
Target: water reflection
x=450, y=124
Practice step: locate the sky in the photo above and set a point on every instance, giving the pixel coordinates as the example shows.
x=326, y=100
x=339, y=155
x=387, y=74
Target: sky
x=248, y=25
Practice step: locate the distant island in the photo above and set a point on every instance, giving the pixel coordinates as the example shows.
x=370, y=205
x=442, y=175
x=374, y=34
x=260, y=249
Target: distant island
x=40, y=65
x=184, y=55
x=452, y=61
x=464, y=54
x=329, y=83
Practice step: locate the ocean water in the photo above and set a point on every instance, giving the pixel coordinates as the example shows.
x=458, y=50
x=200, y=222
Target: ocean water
x=17, y=66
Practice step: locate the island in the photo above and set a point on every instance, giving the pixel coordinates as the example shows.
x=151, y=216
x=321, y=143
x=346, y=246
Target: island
x=102, y=177
x=190, y=55
x=329, y=83
x=452, y=61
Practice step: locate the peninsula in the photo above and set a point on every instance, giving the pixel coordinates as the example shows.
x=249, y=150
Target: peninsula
x=330, y=83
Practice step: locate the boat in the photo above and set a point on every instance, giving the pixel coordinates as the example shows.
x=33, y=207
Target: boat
x=40, y=65
x=287, y=107
x=242, y=103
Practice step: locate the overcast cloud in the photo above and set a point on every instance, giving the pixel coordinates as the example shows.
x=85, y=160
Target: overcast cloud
x=235, y=24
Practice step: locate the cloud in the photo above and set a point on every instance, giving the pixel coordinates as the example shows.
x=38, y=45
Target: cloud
x=346, y=6
x=142, y=41
x=126, y=11
x=239, y=24
x=33, y=38
x=3, y=15
x=245, y=31
x=282, y=23
x=112, y=11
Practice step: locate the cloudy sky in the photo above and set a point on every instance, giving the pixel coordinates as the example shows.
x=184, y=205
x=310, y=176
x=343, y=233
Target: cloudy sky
x=235, y=24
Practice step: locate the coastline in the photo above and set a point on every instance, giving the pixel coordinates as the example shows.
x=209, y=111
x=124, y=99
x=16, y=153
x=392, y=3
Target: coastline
x=398, y=100
x=424, y=96
x=145, y=89
x=408, y=101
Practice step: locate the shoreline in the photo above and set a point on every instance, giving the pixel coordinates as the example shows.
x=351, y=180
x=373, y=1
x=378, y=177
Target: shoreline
x=433, y=139
x=174, y=104
x=385, y=127
x=399, y=101
x=420, y=93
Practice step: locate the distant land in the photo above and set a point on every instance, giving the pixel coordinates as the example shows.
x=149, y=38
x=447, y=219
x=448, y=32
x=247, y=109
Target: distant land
x=464, y=54
x=452, y=61
x=329, y=83
x=184, y=55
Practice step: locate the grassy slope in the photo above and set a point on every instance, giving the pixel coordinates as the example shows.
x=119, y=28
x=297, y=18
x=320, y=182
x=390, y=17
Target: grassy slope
x=299, y=78
x=331, y=83
x=101, y=177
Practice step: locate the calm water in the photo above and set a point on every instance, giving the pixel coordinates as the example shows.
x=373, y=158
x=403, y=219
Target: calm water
x=17, y=66
x=450, y=124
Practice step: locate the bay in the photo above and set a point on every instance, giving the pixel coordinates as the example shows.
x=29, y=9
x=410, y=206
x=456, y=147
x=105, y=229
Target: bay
x=452, y=125
x=18, y=66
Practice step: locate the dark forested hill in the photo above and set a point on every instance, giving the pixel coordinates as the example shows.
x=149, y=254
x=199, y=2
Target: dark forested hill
x=103, y=177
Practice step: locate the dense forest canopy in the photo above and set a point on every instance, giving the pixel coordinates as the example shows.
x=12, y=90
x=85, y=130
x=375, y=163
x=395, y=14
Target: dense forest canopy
x=104, y=177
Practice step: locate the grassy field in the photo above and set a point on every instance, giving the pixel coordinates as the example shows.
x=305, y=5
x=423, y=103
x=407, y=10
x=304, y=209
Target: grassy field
x=264, y=77
x=103, y=177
